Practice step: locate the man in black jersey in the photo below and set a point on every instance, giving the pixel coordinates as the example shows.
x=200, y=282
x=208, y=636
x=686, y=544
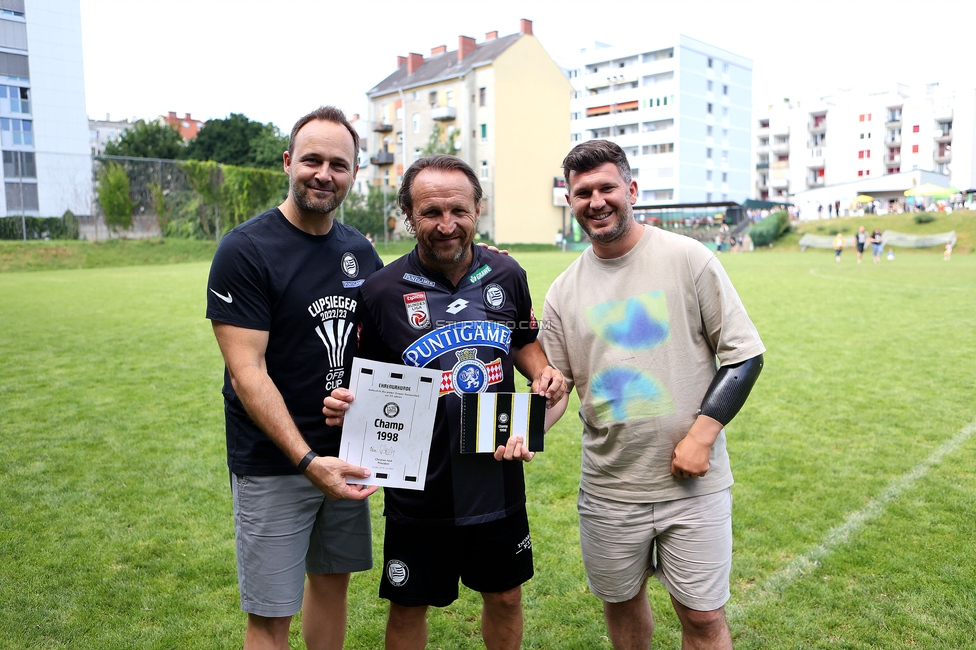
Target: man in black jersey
x=283, y=297
x=467, y=312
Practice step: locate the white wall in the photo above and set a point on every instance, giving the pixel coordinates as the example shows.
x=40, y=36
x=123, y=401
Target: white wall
x=61, y=134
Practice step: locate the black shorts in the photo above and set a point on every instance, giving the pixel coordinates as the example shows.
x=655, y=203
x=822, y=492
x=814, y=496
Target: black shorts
x=422, y=564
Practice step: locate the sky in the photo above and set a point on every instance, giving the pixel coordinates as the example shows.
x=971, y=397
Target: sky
x=276, y=60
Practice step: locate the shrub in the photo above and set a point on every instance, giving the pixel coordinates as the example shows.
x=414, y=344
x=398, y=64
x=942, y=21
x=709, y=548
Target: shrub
x=924, y=217
x=769, y=229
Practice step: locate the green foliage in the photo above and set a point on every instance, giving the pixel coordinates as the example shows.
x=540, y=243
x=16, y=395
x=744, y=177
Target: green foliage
x=64, y=227
x=924, y=217
x=366, y=213
x=113, y=195
x=267, y=148
x=769, y=229
x=154, y=139
x=227, y=195
x=441, y=141
x=239, y=141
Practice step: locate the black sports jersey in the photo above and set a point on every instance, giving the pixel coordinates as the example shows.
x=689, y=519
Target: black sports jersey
x=414, y=316
x=304, y=291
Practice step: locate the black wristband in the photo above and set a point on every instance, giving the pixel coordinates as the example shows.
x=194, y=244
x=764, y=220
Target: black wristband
x=309, y=457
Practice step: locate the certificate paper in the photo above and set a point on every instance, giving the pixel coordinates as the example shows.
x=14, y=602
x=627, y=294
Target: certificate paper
x=389, y=425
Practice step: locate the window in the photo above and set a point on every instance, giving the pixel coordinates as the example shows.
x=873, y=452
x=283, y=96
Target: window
x=725, y=177
x=432, y=98
x=16, y=131
x=860, y=172
x=914, y=148
x=484, y=170
x=725, y=111
x=18, y=101
x=484, y=133
x=725, y=89
x=708, y=197
x=708, y=85
x=708, y=174
x=416, y=95
x=708, y=108
x=708, y=152
x=19, y=164
x=21, y=196
x=450, y=98
x=709, y=63
x=416, y=122
x=867, y=153
x=482, y=97
x=708, y=130
x=915, y=129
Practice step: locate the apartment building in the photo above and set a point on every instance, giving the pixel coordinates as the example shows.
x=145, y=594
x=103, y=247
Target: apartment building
x=502, y=105
x=680, y=108
x=831, y=149
x=43, y=125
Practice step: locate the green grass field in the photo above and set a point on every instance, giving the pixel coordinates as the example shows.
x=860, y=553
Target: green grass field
x=855, y=495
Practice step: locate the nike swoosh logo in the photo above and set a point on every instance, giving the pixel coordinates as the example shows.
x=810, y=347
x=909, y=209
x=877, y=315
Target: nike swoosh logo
x=228, y=298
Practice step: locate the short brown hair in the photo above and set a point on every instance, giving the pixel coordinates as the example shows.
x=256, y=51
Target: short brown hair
x=442, y=162
x=329, y=114
x=591, y=154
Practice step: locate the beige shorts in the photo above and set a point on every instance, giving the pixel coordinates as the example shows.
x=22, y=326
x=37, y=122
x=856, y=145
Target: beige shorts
x=693, y=540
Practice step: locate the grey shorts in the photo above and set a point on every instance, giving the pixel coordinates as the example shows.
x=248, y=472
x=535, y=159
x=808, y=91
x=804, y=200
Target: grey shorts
x=285, y=528
x=693, y=539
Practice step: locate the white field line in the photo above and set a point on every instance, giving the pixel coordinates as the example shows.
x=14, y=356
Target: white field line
x=817, y=273
x=782, y=579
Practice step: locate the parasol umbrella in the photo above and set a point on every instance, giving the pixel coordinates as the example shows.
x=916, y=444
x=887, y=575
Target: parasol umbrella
x=863, y=198
x=927, y=189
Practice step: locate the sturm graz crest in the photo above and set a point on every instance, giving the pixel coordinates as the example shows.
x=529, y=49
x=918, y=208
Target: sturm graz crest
x=349, y=265
x=391, y=409
x=469, y=374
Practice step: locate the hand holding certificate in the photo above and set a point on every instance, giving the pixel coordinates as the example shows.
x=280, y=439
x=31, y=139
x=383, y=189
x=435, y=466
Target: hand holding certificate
x=389, y=425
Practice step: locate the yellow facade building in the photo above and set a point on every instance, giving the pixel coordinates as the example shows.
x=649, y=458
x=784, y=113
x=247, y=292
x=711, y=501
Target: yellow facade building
x=501, y=105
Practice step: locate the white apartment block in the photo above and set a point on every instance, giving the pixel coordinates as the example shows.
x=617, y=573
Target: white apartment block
x=680, y=108
x=833, y=148
x=43, y=126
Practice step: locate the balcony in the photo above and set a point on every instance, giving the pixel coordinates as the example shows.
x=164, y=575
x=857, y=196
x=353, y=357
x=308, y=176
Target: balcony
x=893, y=140
x=762, y=149
x=893, y=159
x=779, y=183
x=942, y=156
x=817, y=126
x=761, y=165
x=443, y=113
x=893, y=119
x=945, y=135
x=815, y=181
x=382, y=127
x=382, y=158
x=780, y=147
x=762, y=184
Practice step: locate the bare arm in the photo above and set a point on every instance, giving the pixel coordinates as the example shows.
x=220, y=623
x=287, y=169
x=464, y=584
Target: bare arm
x=243, y=350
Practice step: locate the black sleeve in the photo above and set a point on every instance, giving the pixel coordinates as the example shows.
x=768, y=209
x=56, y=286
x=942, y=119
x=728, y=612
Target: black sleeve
x=237, y=291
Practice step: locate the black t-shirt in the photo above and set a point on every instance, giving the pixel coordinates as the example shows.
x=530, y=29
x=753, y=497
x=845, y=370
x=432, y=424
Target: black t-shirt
x=304, y=291
x=414, y=316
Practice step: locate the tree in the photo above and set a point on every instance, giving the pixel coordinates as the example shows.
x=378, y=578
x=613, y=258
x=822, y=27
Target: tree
x=148, y=140
x=113, y=196
x=267, y=147
x=239, y=141
x=365, y=212
x=441, y=141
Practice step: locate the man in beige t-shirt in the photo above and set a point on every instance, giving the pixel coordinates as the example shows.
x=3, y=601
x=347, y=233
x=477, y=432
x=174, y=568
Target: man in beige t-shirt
x=651, y=332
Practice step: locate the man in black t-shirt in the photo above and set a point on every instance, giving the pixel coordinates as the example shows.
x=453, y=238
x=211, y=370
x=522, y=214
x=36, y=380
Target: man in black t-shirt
x=283, y=297
x=467, y=312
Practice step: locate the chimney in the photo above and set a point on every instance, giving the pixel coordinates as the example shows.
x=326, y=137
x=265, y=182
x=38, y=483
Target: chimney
x=440, y=49
x=414, y=61
x=400, y=61
x=188, y=118
x=172, y=115
x=466, y=46
x=526, y=27
x=490, y=36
